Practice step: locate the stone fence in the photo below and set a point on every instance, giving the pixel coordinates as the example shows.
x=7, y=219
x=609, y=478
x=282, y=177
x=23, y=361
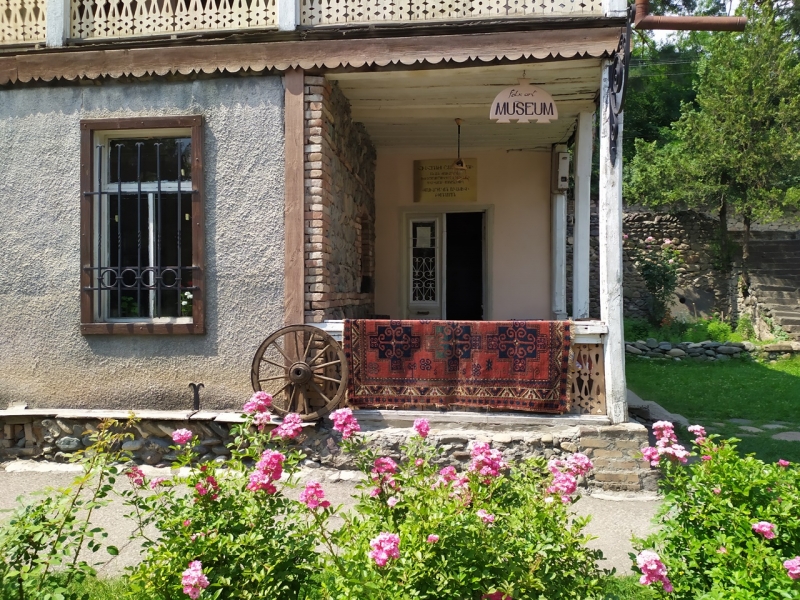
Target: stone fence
x=710, y=351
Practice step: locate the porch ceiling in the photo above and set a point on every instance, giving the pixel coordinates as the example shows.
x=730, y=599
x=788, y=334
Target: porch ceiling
x=417, y=108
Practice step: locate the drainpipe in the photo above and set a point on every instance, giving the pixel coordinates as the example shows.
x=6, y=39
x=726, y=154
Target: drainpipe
x=644, y=20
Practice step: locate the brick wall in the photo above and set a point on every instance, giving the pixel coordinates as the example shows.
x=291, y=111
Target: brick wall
x=340, y=207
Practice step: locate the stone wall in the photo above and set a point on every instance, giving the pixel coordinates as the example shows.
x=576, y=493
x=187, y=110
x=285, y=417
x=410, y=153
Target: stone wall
x=340, y=207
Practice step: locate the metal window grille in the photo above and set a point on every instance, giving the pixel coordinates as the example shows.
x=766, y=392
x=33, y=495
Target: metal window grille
x=142, y=267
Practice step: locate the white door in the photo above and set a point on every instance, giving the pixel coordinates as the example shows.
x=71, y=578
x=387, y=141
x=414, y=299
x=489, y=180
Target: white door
x=425, y=272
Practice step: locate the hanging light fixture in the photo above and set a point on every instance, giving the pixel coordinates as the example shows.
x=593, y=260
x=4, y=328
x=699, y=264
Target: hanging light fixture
x=459, y=169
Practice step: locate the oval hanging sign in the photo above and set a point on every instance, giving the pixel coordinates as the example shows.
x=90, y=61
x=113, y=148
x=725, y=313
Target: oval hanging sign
x=523, y=103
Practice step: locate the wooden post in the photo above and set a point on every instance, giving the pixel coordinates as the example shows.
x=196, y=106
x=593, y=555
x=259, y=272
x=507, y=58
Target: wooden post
x=558, y=237
x=610, y=212
x=294, y=198
x=581, y=230
x=57, y=22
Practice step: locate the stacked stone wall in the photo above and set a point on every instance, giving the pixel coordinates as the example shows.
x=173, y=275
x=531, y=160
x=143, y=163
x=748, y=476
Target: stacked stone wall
x=340, y=207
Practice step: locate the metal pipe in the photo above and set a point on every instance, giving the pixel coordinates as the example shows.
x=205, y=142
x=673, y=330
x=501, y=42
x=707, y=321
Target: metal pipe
x=644, y=20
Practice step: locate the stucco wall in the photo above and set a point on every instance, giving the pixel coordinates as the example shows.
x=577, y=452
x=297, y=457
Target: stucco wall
x=44, y=359
x=516, y=185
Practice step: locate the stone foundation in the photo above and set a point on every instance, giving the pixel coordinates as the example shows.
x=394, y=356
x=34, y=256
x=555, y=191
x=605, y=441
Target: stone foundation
x=614, y=449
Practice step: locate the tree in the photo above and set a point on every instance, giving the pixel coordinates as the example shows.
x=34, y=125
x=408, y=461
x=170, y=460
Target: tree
x=738, y=149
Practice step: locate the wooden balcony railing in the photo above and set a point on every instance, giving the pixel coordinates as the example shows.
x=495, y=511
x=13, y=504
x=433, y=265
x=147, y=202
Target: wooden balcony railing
x=338, y=12
x=128, y=18
x=22, y=21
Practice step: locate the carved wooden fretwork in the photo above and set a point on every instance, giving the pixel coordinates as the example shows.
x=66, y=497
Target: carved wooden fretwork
x=330, y=12
x=587, y=376
x=125, y=18
x=22, y=21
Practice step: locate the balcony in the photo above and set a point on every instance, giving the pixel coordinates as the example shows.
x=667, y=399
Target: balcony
x=22, y=21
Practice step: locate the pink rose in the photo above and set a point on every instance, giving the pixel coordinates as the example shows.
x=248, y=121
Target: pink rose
x=433, y=538
x=392, y=502
x=314, y=496
x=717, y=491
x=290, y=428
x=765, y=528
x=422, y=427
x=384, y=547
x=485, y=516
x=193, y=580
x=486, y=462
x=653, y=570
x=136, y=476
x=181, y=436
x=258, y=403
x=345, y=423
x=496, y=596
x=783, y=463
x=157, y=481
x=706, y=457
x=793, y=567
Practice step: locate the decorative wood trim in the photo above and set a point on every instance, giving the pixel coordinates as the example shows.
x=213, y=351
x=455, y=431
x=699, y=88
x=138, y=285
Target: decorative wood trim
x=294, y=198
x=462, y=48
x=88, y=129
x=558, y=237
x=581, y=229
x=611, y=260
x=587, y=379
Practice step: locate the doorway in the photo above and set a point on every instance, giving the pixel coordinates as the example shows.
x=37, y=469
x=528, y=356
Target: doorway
x=447, y=257
x=464, y=266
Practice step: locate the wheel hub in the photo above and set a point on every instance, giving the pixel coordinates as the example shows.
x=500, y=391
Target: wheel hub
x=300, y=373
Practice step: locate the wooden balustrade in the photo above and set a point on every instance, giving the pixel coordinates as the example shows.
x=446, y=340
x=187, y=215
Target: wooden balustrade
x=22, y=21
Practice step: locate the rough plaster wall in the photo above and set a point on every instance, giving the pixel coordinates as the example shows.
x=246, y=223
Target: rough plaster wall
x=44, y=359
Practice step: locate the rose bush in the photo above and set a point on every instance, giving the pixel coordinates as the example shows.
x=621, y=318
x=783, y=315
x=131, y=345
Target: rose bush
x=729, y=525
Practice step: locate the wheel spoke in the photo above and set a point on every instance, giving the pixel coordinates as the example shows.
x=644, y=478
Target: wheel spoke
x=308, y=347
x=278, y=348
x=285, y=385
x=327, y=364
x=336, y=381
x=291, y=399
x=274, y=364
x=272, y=378
x=313, y=360
x=306, y=408
x=320, y=392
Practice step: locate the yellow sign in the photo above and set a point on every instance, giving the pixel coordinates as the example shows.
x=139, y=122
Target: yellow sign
x=440, y=180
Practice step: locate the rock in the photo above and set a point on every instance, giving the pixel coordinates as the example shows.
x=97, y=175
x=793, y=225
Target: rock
x=655, y=354
x=547, y=438
x=774, y=426
x=150, y=457
x=642, y=346
x=676, y=352
x=211, y=442
x=740, y=421
x=218, y=429
x=66, y=428
x=735, y=344
x=20, y=443
x=170, y=457
x=166, y=429
x=220, y=460
x=501, y=438
x=220, y=450
x=710, y=344
x=156, y=444
x=728, y=350
x=632, y=350
x=132, y=445
x=310, y=464
x=150, y=428
x=60, y=457
x=207, y=457
x=87, y=441
x=787, y=436
x=142, y=431
x=78, y=431
x=652, y=343
x=666, y=346
x=69, y=444
x=711, y=353
x=693, y=345
x=750, y=429
x=723, y=357
x=48, y=448
x=779, y=347
x=569, y=446
x=51, y=426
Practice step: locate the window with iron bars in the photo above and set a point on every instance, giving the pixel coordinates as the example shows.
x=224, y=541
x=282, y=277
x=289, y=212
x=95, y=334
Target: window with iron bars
x=141, y=224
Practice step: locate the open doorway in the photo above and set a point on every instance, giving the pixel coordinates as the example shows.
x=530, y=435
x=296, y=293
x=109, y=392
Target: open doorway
x=446, y=254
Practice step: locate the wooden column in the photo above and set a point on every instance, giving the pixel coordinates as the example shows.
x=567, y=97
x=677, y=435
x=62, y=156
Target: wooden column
x=581, y=229
x=558, y=237
x=610, y=212
x=294, y=198
x=288, y=14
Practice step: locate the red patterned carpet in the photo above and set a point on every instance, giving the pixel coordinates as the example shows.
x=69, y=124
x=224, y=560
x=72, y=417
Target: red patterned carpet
x=499, y=365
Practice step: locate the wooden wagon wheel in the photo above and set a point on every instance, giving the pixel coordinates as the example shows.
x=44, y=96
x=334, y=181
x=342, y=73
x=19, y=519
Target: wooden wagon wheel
x=304, y=369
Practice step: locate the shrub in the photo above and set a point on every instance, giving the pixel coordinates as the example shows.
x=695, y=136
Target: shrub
x=729, y=525
x=39, y=544
x=493, y=531
x=744, y=327
x=658, y=264
x=709, y=329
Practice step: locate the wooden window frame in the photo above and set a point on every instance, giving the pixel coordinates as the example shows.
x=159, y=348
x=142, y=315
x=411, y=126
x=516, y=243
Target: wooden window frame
x=89, y=127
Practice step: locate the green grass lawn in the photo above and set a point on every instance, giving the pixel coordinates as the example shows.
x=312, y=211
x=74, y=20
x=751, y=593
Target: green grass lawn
x=709, y=393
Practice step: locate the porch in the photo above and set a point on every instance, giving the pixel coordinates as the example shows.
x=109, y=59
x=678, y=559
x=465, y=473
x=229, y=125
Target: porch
x=377, y=247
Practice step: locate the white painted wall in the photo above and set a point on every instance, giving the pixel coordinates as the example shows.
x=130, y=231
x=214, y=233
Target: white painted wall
x=517, y=186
